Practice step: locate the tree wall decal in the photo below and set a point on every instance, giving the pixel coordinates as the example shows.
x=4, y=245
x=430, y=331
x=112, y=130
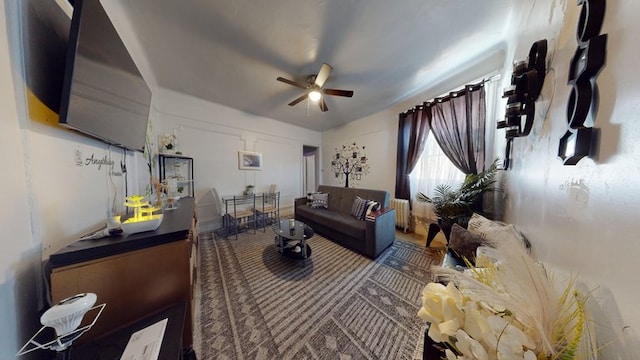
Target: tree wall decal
x=350, y=163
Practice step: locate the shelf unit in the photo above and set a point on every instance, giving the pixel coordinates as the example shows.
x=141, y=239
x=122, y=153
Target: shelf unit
x=179, y=168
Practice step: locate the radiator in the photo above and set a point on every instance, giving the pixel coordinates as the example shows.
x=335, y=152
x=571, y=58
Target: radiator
x=402, y=213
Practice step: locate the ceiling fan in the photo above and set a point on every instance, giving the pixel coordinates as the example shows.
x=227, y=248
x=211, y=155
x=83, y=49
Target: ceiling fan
x=313, y=87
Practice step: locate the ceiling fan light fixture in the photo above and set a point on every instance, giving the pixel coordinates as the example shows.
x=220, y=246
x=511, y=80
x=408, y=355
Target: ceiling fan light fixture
x=315, y=95
x=314, y=90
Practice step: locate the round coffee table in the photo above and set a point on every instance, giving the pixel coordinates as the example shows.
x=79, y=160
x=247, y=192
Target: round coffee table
x=291, y=238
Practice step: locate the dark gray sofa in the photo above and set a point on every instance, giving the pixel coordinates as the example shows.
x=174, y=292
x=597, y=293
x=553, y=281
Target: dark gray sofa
x=368, y=237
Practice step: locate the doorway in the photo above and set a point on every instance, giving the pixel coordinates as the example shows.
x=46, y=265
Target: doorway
x=310, y=168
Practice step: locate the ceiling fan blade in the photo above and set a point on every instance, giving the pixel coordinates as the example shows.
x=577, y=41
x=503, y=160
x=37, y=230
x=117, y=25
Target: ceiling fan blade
x=323, y=74
x=298, y=99
x=323, y=105
x=290, y=82
x=338, y=92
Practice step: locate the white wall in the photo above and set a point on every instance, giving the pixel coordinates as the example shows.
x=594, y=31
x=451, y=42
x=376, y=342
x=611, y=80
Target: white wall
x=213, y=134
x=583, y=218
x=20, y=253
x=378, y=133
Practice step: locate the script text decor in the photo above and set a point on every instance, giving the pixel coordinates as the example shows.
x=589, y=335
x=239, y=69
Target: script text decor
x=581, y=138
x=526, y=83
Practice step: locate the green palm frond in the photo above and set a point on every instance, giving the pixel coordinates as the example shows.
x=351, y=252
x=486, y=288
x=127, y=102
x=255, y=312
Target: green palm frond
x=455, y=205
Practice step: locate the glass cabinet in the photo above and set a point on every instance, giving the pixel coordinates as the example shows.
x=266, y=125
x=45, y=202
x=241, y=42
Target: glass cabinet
x=176, y=172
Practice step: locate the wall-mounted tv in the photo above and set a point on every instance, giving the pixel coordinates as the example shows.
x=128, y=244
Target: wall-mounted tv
x=103, y=95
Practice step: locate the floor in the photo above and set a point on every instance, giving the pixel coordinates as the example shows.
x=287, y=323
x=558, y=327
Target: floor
x=413, y=237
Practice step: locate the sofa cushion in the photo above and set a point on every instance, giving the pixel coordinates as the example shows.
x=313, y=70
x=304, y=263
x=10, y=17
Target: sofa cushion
x=341, y=198
x=337, y=221
x=379, y=196
x=347, y=225
x=310, y=197
x=495, y=231
x=359, y=208
x=335, y=193
x=464, y=243
x=320, y=200
x=371, y=207
x=308, y=212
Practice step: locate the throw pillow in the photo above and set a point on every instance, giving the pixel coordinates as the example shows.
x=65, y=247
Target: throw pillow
x=495, y=231
x=371, y=207
x=320, y=200
x=464, y=243
x=359, y=208
x=310, y=198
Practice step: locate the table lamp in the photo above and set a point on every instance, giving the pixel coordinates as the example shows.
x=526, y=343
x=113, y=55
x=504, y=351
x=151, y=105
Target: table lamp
x=65, y=318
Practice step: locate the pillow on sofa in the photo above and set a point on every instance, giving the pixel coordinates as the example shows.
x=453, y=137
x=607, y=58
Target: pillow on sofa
x=310, y=198
x=495, y=231
x=371, y=207
x=465, y=243
x=320, y=200
x=359, y=208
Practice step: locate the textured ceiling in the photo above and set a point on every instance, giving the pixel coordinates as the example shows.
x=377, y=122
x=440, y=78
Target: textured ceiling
x=231, y=51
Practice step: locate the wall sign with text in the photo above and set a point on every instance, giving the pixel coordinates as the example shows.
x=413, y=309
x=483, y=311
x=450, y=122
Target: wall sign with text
x=99, y=162
x=581, y=139
x=526, y=83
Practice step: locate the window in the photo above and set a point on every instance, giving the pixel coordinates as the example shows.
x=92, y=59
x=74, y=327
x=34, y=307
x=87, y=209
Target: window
x=434, y=168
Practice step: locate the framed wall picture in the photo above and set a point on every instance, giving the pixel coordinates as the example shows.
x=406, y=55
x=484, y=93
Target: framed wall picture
x=248, y=160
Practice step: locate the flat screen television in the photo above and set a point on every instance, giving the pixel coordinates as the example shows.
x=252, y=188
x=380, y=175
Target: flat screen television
x=103, y=94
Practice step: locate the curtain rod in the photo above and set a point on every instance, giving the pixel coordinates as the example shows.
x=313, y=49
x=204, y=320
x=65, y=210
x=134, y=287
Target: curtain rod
x=496, y=76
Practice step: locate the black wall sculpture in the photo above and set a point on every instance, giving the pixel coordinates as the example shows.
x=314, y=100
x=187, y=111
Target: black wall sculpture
x=581, y=139
x=526, y=83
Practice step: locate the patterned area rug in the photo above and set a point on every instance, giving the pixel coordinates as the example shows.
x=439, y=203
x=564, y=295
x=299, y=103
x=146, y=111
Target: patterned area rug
x=256, y=304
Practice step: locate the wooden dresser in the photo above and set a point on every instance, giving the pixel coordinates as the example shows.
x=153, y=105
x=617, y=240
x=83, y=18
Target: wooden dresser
x=135, y=275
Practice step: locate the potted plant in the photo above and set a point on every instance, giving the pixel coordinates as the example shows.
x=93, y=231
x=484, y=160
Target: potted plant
x=453, y=206
x=248, y=190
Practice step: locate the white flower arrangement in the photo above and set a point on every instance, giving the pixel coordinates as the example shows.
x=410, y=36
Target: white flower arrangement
x=507, y=309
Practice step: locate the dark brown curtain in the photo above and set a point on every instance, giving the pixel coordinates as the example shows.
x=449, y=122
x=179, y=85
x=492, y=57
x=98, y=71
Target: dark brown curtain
x=458, y=123
x=413, y=130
